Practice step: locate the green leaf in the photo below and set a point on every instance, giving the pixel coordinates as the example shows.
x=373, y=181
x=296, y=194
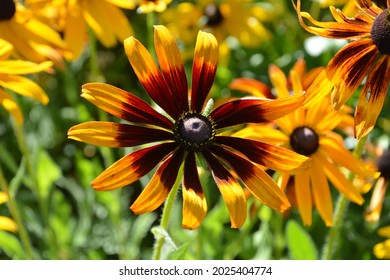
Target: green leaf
x=47, y=173
x=299, y=242
x=10, y=244
x=180, y=253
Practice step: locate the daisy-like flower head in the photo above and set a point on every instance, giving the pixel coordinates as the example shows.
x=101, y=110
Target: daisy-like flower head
x=309, y=132
x=32, y=39
x=192, y=132
x=382, y=250
x=10, y=71
x=73, y=18
x=366, y=55
x=6, y=223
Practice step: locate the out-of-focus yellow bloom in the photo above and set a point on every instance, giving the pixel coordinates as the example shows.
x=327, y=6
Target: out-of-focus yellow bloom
x=148, y=6
x=32, y=39
x=382, y=250
x=71, y=17
x=348, y=6
x=6, y=223
x=241, y=19
x=10, y=71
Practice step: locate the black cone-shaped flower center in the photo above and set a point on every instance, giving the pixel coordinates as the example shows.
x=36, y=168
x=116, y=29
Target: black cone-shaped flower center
x=383, y=165
x=304, y=140
x=7, y=9
x=194, y=132
x=213, y=15
x=380, y=32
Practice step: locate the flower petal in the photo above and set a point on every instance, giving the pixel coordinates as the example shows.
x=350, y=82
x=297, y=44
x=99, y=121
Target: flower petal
x=372, y=97
x=150, y=77
x=17, y=67
x=339, y=180
x=157, y=190
x=24, y=86
x=115, y=135
x=321, y=191
x=230, y=189
x=373, y=211
x=259, y=183
x=123, y=104
x=8, y=224
x=194, y=201
x=252, y=87
x=252, y=110
x=11, y=106
x=203, y=69
x=268, y=155
x=263, y=133
x=131, y=167
x=171, y=65
x=340, y=155
x=303, y=196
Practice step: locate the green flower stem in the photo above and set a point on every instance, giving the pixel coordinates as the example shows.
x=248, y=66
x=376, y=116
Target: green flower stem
x=166, y=214
x=341, y=207
x=13, y=208
x=150, y=21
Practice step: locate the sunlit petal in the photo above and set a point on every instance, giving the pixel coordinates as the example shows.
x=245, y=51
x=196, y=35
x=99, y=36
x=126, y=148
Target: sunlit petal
x=131, y=167
x=303, y=196
x=158, y=188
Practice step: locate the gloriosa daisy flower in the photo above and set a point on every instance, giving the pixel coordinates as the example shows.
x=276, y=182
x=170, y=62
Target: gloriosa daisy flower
x=366, y=55
x=6, y=223
x=73, y=17
x=10, y=71
x=32, y=39
x=308, y=132
x=191, y=134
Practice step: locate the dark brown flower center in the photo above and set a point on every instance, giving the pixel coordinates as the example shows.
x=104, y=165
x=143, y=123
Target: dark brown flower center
x=7, y=9
x=194, y=132
x=383, y=165
x=213, y=15
x=380, y=32
x=304, y=140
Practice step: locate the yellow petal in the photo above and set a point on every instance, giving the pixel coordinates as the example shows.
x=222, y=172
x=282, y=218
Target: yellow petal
x=303, y=195
x=321, y=191
x=17, y=67
x=24, y=86
x=5, y=49
x=11, y=106
x=382, y=250
x=7, y=224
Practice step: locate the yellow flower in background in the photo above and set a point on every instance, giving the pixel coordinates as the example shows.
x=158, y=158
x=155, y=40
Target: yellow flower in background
x=348, y=6
x=241, y=19
x=10, y=71
x=190, y=133
x=73, y=18
x=148, y=6
x=32, y=39
x=367, y=55
x=382, y=250
x=374, y=209
x=6, y=223
x=309, y=132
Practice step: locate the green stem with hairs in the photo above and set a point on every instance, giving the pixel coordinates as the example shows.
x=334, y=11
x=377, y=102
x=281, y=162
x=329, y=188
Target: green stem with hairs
x=341, y=207
x=166, y=214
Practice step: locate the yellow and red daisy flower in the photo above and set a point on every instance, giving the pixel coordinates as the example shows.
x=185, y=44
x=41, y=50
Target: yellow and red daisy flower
x=308, y=132
x=366, y=55
x=189, y=132
x=10, y=79
x=32, y=39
